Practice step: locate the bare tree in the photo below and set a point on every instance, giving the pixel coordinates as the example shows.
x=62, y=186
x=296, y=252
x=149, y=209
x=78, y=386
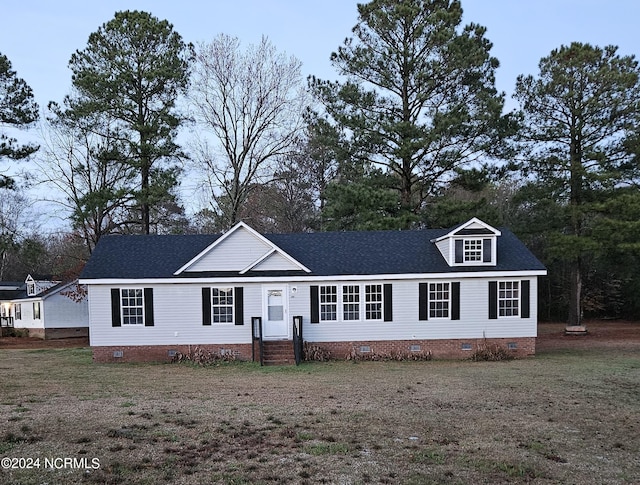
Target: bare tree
x=83, y=165
x=250, y=107
x=13, y=214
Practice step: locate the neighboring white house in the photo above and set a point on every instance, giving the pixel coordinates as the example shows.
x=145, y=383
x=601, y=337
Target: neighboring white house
x=47, y=309
x=439, y=291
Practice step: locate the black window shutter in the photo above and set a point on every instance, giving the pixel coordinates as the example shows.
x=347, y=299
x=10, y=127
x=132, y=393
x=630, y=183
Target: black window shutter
x=387, y=296
x=493, y=300
x=148, y=307
x=524, y=299
x=423, y=301
x=206, y=306
x=115, y=308
x=486, y=250
x=455, y=300
x=238, y=309
x=459, y=251
x=315, y=305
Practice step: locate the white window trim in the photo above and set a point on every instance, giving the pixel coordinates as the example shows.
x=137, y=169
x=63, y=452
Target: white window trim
x=464, y=239
x=362, y=303
x=233, y=305
x=448, y=283
x=343, y=303
x=472, y=248
x=36, y=304
x=517, y=299
x=365, y=302
x=122, y=307
x=335, y=304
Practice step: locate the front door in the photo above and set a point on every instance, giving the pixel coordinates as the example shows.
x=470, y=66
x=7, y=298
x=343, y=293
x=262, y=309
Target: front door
x=275, y=311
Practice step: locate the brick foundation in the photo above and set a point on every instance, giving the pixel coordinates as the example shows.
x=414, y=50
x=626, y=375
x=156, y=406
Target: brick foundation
x=161, y=353
x=57, y=333
x=439, y=349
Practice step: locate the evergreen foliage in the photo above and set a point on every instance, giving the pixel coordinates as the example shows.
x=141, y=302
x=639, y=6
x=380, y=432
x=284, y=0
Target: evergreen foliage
x=419, y=97
x=18, y=110
x=129, y=76
x=578, y=116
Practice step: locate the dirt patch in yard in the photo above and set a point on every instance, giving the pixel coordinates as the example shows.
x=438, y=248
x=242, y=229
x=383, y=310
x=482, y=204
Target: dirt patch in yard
x=601, y=334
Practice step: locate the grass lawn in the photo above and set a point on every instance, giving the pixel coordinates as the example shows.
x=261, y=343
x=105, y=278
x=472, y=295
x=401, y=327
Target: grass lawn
x=565, y=416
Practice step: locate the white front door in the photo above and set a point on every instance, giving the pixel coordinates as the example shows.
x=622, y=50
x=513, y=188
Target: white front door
x=275, y=312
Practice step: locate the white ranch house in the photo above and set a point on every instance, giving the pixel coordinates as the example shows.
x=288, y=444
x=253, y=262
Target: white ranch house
x=43, y=308
x=442, y=292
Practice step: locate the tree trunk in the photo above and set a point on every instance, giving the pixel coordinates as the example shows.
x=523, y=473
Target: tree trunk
x=575, y=296
x=146, y=219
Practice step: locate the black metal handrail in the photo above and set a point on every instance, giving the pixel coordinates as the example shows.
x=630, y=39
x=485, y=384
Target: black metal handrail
x=298, y=346
x=256, y=324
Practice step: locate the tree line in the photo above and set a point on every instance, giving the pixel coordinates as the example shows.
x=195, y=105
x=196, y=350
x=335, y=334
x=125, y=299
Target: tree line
x=412, y=134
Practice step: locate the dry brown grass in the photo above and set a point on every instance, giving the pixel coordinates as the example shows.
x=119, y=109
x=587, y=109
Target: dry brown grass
x=567, y=416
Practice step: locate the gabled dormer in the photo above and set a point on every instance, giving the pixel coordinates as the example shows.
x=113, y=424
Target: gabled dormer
x=34, y=287
x=242, y=250
x=31, y=286
x=473, y=243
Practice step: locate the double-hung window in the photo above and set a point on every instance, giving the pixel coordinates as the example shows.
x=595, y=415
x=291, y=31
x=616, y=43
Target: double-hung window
x=373, y=302
x=132, y=305
x=222, y=305
x=351, y=302
x=18, y=311
x=508, y=298
x=328, y=303
x=36, y=310
x=439, y=300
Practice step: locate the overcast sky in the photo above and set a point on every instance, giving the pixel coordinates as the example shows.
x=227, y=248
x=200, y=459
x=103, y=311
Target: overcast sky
x=39, y=36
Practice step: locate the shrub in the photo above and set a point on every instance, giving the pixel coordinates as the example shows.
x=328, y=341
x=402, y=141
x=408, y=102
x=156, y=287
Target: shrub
x=203, y=357
x=315, y=353
x=357, y=356
x=490, y=352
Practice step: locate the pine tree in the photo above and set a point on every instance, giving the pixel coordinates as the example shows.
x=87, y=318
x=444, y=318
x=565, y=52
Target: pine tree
x=18, y=110
x=419, y=97
x=579, y=114
x=132, y=71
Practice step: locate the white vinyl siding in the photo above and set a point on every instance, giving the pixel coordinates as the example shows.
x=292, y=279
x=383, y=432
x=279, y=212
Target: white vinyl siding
x=235, y=253
x=178, y=315
x=56, y=311
x=177, y=318
x=275, y=262
x=474, y=320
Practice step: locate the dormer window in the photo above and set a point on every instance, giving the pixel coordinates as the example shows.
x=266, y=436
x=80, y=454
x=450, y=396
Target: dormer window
x=471, y=244
x=473, y=250
x=31, y=286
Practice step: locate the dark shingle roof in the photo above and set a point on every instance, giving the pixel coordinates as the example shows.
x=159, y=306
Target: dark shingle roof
x=324, y=253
